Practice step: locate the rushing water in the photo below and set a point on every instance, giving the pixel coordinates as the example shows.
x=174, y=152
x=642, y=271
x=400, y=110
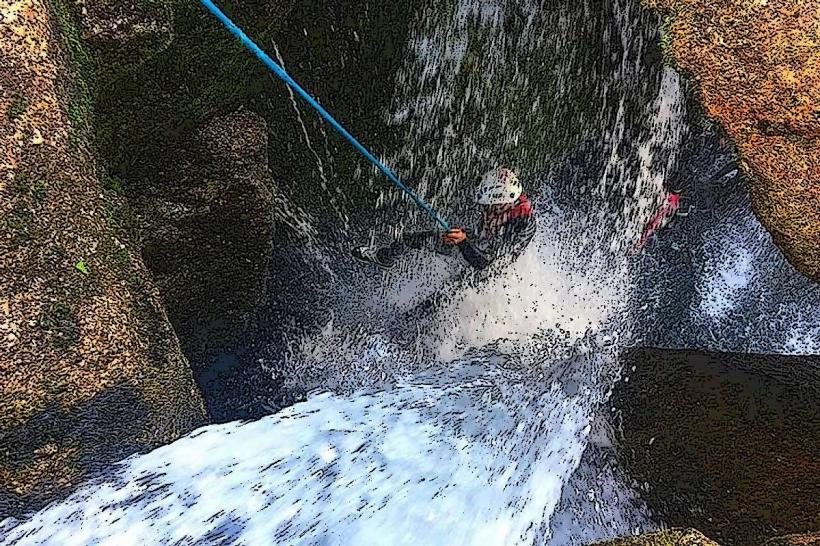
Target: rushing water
x=484, y=421
x=471, y=454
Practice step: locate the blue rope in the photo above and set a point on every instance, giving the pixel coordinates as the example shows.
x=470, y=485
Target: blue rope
x=284, y=76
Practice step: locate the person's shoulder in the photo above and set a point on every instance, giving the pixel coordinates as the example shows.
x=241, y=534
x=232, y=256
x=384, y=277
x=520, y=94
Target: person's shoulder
x=521, y=224
x=525, y=205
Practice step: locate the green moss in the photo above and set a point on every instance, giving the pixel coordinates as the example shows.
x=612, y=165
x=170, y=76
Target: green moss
x=80, y=116
x=31, y=190
x=213, y=187
x=119, y=62
x=20, y=221
x=38, y=191
x=122, y=258
x=28, y=194
x=136, y=119
x=115, y=184
x=80, y=105
x=18, y=107
x=58, y=320
x=666, y=44
x=119, y=215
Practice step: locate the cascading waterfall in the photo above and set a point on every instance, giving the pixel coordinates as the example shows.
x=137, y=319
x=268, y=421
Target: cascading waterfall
x=578, y=266
x=407, y=465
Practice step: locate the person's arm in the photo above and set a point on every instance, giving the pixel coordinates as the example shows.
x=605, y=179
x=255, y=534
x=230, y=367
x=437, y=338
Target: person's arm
x=511, y=240
x=474, y=256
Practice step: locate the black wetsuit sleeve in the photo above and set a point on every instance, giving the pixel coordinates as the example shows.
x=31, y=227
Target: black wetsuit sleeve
x=473, y=255
x=510, y=241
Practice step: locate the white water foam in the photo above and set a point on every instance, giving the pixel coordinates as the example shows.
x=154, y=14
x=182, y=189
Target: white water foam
x=471, y=454
x=749, y=299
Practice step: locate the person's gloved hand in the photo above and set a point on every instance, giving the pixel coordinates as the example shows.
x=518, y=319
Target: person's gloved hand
x=454, y=236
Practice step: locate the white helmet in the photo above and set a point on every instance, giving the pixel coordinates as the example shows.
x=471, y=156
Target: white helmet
x=499, y=187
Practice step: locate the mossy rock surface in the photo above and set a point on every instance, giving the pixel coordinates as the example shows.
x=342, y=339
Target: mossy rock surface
x=670, y=537
x=91, y=368
x=208, y=232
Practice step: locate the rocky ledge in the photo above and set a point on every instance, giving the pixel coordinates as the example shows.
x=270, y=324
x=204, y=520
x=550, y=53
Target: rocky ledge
x=757, y=65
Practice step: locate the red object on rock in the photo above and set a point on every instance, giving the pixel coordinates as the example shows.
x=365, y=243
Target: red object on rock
x=659, y=219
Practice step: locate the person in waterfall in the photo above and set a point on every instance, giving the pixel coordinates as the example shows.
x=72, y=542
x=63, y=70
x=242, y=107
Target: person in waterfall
x=507, y=226
x=660, y=219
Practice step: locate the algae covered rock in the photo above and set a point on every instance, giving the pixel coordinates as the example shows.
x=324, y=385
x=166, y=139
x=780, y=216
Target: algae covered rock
x=670, y=537
x=91, y=368
x=111, y=39
x=125, y=31
x=758, y=69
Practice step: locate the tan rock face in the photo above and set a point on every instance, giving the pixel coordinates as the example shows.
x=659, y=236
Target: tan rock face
x=758, y=67
x=91, y=369
x=810, y=539
x=671, y=537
